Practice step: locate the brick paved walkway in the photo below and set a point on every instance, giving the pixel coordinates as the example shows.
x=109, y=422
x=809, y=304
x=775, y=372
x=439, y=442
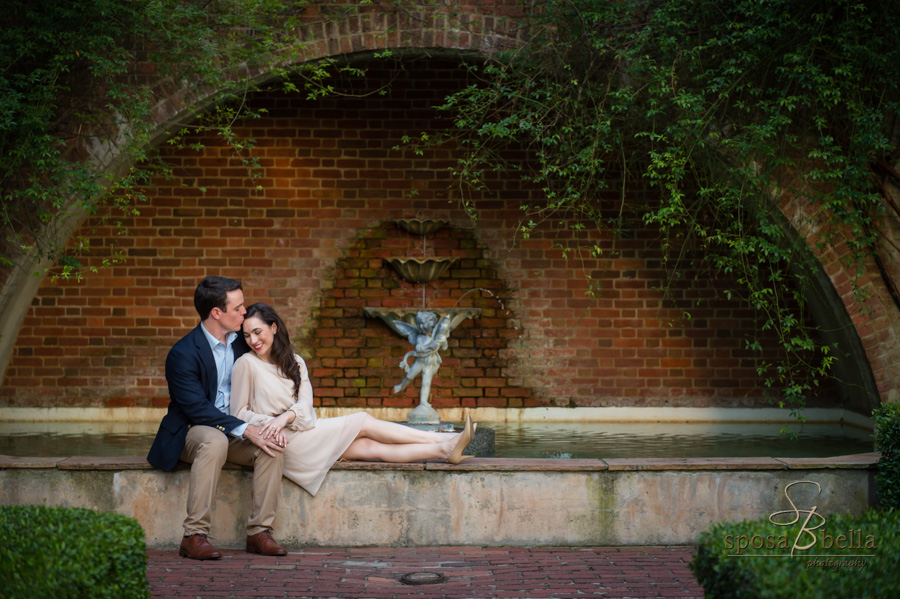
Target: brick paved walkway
x=512, y=572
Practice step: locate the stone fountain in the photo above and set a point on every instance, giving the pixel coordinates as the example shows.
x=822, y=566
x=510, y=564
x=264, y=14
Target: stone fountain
x=427, y=329
x=428, y=335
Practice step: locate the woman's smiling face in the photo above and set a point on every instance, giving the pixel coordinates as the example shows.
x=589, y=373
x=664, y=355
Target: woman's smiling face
x=259, y=336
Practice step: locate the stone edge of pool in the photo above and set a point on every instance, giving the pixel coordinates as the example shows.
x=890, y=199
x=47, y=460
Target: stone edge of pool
x=480, y=502
x=548, y=414
x=855, y=461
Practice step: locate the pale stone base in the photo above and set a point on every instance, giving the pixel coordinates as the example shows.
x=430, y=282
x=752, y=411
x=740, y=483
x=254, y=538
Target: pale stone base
x=479, y=502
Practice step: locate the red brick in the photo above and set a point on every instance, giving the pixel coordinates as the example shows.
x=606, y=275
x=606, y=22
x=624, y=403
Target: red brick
x=312, y=241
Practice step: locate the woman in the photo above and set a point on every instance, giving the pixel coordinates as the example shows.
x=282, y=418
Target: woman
x=270, y=388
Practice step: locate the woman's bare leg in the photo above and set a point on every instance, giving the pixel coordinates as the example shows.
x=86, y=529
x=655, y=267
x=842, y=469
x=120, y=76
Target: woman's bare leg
x=398, y=453
x=393, y=433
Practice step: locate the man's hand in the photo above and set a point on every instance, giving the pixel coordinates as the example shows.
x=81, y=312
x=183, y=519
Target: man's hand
x=267, y=444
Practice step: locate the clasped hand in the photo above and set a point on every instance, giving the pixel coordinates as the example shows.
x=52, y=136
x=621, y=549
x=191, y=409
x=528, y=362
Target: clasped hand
x=271, y=435
x=274, y=428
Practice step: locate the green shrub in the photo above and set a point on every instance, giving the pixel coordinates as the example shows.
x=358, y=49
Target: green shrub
x=57, y=552
x=725, y=569
x=887, y=441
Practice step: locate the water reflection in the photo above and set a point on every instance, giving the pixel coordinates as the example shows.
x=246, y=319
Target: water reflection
x=674, y=439
x=512, y=439
x=52, y=439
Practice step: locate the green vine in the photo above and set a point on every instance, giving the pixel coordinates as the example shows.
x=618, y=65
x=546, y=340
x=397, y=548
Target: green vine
x=713, y=110
x=709, y=109
x=78, y=84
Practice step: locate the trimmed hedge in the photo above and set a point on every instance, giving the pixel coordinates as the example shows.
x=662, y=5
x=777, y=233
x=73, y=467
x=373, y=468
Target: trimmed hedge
x=887, y=441
x=724, y=567
x=58, y=553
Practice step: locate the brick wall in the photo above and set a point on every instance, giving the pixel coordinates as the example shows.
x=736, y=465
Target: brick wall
x=311, y=241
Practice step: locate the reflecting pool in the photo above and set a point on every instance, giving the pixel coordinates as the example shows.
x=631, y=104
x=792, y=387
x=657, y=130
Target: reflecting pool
x=535, y=439
x=675, y=440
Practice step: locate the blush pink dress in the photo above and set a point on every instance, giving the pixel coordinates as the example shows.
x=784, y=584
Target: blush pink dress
x=259, y=392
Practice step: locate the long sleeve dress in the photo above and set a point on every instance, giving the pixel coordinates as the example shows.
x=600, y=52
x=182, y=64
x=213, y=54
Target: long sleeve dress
x=259, y=393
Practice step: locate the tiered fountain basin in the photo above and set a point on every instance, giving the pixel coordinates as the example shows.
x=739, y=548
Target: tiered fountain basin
x=420, y=226
x=421, y=270
x=482, y=501
x=408, y=315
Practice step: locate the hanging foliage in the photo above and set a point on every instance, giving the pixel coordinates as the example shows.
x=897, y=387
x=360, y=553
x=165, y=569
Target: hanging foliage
x=79, y=83
x=720, y=109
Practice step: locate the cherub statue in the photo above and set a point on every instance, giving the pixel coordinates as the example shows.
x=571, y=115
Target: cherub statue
x=429, y=337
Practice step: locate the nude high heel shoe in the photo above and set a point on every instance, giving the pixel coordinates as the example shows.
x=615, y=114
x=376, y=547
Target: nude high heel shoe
x=465, y=438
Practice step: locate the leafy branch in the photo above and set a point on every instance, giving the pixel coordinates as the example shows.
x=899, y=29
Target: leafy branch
x=710, y=112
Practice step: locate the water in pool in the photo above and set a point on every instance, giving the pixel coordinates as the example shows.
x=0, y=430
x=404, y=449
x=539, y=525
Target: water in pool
x=676, y=439
x=563, y=440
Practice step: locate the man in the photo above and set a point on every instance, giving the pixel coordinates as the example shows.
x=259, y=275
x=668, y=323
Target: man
x=198, y=428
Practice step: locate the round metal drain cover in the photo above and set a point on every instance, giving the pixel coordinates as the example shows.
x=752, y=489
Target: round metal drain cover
x=422, y=578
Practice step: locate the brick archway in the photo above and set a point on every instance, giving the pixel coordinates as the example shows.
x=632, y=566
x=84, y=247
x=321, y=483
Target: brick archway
x=481, y=30
x=483, y=33
x=864, y=319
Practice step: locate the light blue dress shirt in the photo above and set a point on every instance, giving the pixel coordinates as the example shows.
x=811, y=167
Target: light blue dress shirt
x=223, y=354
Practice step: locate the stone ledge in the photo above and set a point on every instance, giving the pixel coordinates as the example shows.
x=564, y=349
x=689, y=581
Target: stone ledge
x=520, y=503
x=637, y=464
x=519, y=465
x=860, y=461
x=8, y=462
x=351, y=465
x=105, y=463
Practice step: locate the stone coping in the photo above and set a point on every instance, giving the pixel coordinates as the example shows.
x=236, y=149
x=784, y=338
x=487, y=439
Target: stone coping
x=539, y=414
x=860, y=461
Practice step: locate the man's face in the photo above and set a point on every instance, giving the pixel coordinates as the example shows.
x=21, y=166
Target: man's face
x=231, y=318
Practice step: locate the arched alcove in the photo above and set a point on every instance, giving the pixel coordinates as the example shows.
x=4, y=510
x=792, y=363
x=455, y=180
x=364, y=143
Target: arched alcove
x=575, y=349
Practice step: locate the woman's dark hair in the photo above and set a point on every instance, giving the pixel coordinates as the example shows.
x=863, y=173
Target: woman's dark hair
x=212, y=292
x=282, y=351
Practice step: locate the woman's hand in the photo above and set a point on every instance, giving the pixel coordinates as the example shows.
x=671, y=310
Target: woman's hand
x=274, y=428
x=252, y=434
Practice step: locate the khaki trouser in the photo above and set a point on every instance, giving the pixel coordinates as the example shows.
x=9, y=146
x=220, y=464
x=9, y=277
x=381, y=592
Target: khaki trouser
x=207, y=450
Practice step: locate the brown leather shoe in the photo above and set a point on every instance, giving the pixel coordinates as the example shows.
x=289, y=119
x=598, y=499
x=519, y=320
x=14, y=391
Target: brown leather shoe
x=263, y=544
x=197, y=547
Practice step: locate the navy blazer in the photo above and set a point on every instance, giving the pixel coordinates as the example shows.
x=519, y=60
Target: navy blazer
x=193, y=384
